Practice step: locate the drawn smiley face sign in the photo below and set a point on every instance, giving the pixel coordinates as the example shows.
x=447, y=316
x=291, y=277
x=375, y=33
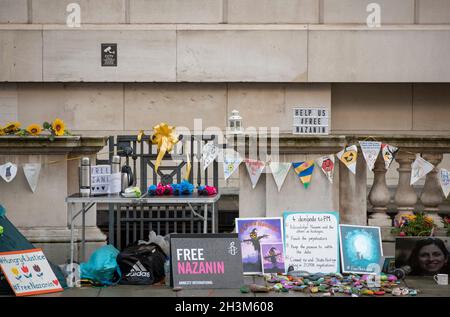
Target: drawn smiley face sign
x=8, y=171
x=349, y=157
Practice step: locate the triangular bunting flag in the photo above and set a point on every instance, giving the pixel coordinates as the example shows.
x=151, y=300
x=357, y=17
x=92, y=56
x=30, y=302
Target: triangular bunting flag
x=326, y=164
x=371, y=150
x=444, y=180
x=279, y=172
x=388, y=152
x=254, y=168
x=304, y=170
x=231, y=160
x=8, y=171
x=31, y=171
x=420, y=168
x=209, y=154
x=348, y=156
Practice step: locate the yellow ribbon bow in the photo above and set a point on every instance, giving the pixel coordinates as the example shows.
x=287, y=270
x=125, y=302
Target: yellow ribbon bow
x=165, y=138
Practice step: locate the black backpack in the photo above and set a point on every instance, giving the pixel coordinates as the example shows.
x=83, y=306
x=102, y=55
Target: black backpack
x=141, y=264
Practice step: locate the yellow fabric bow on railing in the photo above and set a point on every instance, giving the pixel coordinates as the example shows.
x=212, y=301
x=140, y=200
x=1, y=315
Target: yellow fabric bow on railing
x=165, y=138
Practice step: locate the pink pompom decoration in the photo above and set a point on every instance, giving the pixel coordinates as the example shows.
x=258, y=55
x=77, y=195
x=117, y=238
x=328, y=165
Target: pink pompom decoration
x=160, y=190
x=211, y=190
x=168, y=190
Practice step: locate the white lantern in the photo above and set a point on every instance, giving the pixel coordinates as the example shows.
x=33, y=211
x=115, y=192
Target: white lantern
x=235, y=122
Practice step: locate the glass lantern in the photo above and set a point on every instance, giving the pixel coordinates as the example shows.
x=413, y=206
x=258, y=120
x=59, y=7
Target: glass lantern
x=235, y=123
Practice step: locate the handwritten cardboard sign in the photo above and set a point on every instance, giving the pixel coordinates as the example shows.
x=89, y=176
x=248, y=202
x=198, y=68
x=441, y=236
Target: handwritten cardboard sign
x=28, y=272
x=311, y=240
x=206, y=261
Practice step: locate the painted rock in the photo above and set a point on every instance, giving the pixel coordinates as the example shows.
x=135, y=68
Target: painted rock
x=405, y=291
x=354, y=295
x=314, y=290
x=413, y=292
x=396, y=291
x=379, y=293
x=367, y=292
x=322, y=288
x=392, y=278
x=259, y=288
x=245, y=289
x=384, y=277
x=326, y=294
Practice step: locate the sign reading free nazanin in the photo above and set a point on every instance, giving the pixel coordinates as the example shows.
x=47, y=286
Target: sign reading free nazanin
x=206, y=261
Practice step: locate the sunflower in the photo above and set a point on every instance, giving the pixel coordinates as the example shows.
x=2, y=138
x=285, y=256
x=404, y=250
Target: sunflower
x=12, y=127
x=2, y=132
x=34, y=129
x=58, y=127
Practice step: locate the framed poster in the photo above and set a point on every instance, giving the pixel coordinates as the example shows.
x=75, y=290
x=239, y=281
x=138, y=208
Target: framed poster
x=28, y=272
x=252, y=232
x=272, y=255
x=312, y=241
x=361, y=248
x=206, y=261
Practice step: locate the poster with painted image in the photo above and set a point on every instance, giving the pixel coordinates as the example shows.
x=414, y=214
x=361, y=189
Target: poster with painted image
x=28, y=272
x=311, y=241
x=252, y=232
x=272, y=255
x=361, y=249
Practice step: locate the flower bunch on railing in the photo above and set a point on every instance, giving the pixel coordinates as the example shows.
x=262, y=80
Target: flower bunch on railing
x=207, y=190
x=446, y=221
x=413, y=225
x=56, y=128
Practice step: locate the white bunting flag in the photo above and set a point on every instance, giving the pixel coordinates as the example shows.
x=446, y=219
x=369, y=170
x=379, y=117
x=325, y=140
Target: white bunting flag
x=444, y=180
x=326, y=164
x=31, y=171
x=231, y=160
x=420, y=168
x=8, y=171
x=279, y=172
x=388, y=152
x=209, y=154
x=371, y=150
x=348, y=156
x=254, y=168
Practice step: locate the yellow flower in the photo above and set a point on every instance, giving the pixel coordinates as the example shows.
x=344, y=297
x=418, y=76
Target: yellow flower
x=58, y=127
x=2, y=132
x=15, y=271
x=34, y=129
x=11, y=127
x=429, y=219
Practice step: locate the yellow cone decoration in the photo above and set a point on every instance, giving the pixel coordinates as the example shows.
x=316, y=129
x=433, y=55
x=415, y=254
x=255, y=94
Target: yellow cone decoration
x=165, y=138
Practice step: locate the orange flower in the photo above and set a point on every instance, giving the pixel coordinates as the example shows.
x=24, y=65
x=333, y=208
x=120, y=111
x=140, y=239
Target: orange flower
x=34, y=129
x=58, y=127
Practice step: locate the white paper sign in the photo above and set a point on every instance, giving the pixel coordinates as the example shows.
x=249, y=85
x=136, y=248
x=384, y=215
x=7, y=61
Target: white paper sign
x=209, y=154
x=231, y=160
x=311, y=240
x=326, y=164
x=444, y=180
x=420, y=168
x=31, y=171
x=388, y=152
x=371, y=150
x=349, y=156
x=100, y=178
x=28, y=272
x=279, y=172
x=310, y=121
x=8, y=171
x=254, y=168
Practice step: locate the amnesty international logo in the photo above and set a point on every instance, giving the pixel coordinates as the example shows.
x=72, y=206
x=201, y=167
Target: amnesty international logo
x=232, y=250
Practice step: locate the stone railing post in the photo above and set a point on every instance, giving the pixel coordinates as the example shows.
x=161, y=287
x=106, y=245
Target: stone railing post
x=379, y=196
x=431, y=195
x=405, y=197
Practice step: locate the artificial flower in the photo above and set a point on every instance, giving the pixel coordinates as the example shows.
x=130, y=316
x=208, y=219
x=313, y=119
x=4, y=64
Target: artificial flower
x=12, y=127
x=2, y=132
x=34, y=129
x=58, y=127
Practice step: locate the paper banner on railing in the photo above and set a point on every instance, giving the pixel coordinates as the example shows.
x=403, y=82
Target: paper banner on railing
x=371, y=150
x=279, y=172
x=348, y=156
x=231, y=160
x=420, y=168
x=304, y=170
x=8, y=171
x=31, y=171
x=326, y=164
x=444, y=180
x=388, y=152
x=209, y=154
x=254, y=168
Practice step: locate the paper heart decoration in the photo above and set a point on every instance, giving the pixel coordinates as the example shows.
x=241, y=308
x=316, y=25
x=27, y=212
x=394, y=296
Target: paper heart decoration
x=8, y=171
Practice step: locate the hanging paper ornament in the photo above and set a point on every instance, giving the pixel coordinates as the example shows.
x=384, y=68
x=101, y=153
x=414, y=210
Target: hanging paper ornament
x=371, y=150
x=388, y=152
x=348, y=156
x=326, y=164
x=420, y=168
x=444, y=180
x=231, y=160
x=209, y=154
x=279, y=172
x=254, y=168
x=304, y=170
x=31, y=171
x=8, y=171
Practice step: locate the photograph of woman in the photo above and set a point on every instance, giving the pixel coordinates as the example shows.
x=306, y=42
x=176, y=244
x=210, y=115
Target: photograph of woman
x=429, y=257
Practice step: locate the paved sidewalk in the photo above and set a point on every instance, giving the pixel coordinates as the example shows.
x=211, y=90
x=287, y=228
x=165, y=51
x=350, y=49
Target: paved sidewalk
x=426, y=285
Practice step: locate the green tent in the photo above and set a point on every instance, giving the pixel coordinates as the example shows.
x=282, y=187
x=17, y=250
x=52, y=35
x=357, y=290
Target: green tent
x=12, y=240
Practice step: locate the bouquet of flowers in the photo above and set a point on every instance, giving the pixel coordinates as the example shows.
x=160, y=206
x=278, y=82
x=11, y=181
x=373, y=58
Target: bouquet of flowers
x=413, y=225
x=55, y=128
x=447, y=225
